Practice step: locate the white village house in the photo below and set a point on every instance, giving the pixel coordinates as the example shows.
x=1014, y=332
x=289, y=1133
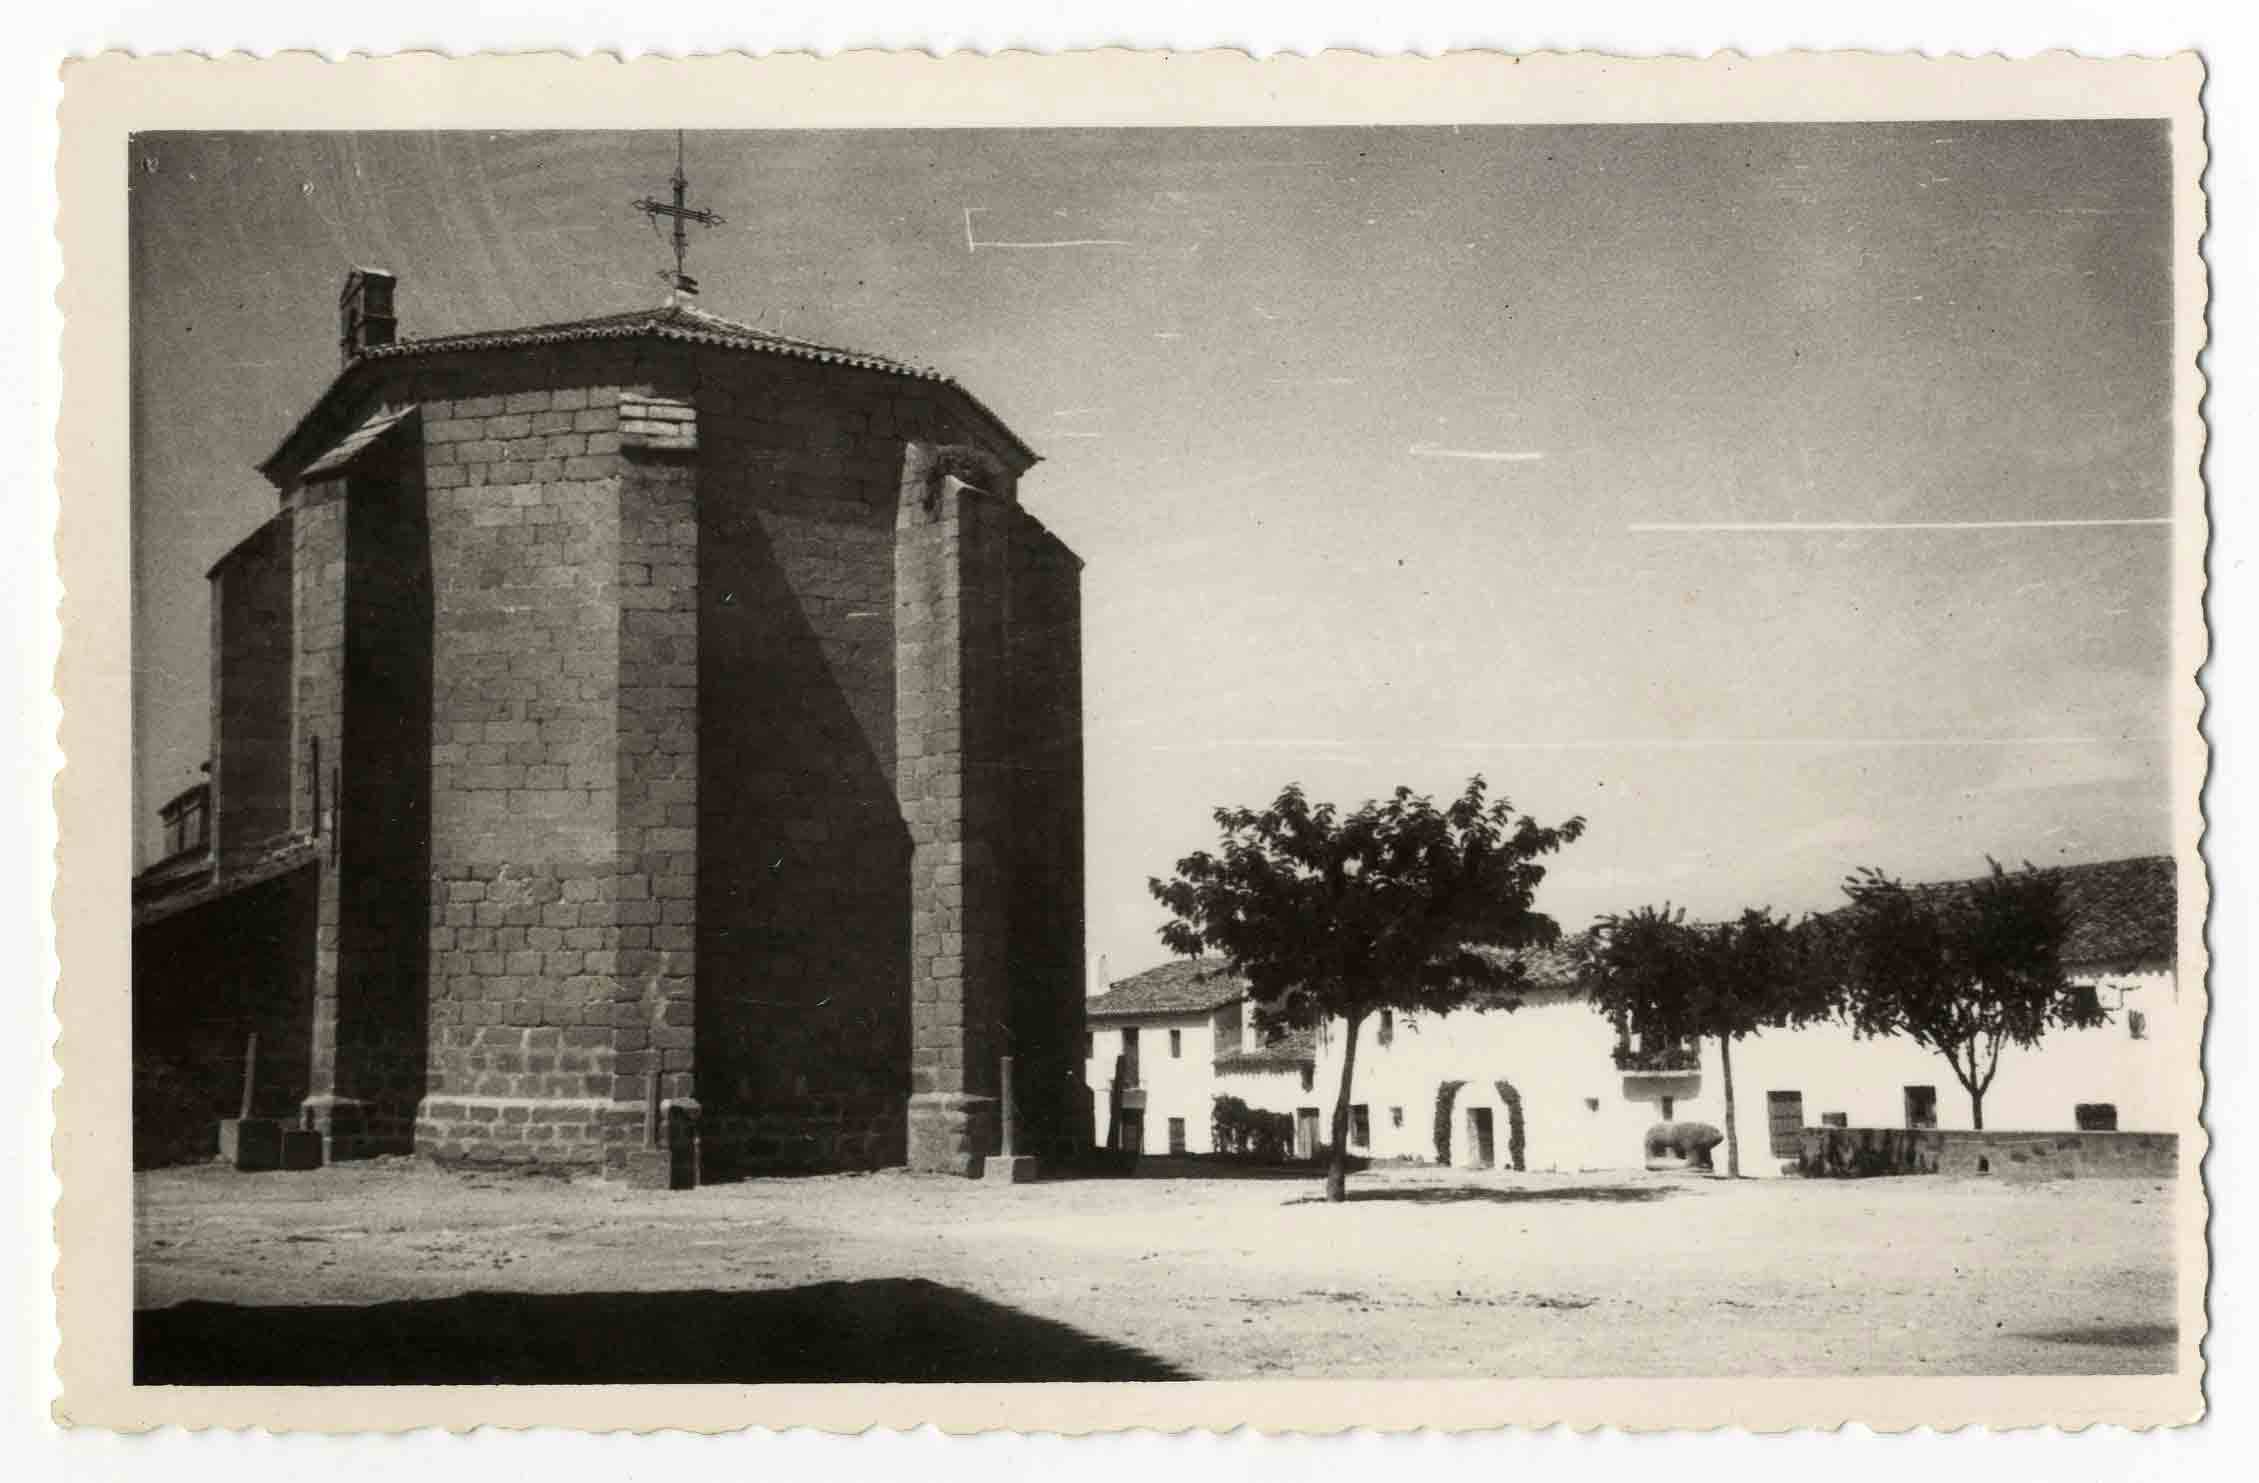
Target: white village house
x=1553, y=1085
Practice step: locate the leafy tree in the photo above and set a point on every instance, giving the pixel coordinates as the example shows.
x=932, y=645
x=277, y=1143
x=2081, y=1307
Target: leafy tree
x=1399, y=905
x=1965, y=970
x=1677, y=980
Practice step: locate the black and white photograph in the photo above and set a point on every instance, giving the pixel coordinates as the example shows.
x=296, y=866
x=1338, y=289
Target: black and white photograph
x=943, y=756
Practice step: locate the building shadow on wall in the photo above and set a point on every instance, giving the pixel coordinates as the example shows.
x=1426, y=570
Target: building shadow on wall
x=888, y=1330
x=1475, y=1194
x=803, y=893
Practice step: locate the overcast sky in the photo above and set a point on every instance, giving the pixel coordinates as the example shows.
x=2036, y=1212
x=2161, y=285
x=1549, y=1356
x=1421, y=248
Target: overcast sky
x=1395, y=454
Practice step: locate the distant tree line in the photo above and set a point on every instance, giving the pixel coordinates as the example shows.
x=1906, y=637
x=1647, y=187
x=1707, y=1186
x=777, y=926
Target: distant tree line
x=1406, y=906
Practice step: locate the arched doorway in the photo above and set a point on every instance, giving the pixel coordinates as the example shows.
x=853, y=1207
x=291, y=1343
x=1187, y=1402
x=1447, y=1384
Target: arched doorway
x=1480, y=1150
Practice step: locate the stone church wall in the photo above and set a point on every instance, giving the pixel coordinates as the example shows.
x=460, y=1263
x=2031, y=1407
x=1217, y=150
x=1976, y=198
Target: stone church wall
x=595, y=692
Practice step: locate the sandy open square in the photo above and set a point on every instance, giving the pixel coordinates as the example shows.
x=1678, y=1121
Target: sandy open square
x=394, y=1271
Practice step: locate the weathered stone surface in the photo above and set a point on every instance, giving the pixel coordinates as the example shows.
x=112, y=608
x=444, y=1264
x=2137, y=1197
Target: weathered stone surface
x=251, y=1144
x=1844, y=1153
x=628, y=746
x=1011, y=1169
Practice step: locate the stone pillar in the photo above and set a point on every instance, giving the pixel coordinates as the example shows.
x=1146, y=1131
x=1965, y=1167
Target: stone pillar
x=252, y=638
x=361, y=738
x=654, y=1113
x=1044, y=634
x=316, y=723
x=952, y=755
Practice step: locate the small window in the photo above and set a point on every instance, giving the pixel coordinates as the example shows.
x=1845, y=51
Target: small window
x=2137, y=1025
x=1921, y=1107
x=1670, y=1105
x=1784, y=1117
x=1309, y=1076
x=1176, y=1045
x=1089, y=1046
x=2096, y=1117
x=1360, y=1126
x=1396, y=1117
x=1387, y=1032
x=1176, y=1135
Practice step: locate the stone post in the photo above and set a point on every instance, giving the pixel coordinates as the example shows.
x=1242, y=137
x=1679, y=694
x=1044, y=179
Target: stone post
x=951, y=548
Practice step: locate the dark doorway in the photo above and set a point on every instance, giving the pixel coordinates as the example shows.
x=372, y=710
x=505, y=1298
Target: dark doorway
x=1482, y=1144
x=1921, y=1107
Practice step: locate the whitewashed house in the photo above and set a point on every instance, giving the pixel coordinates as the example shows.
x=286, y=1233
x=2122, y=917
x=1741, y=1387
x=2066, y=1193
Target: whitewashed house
x=1165, y=1043
x=1553, y=1085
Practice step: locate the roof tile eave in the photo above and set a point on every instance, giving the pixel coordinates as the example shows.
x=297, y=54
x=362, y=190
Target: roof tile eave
x=667, y=322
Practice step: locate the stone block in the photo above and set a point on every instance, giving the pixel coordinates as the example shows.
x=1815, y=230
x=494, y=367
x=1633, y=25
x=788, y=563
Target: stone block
x=1010, y=1169
x=301, y=1149
x=251, y=1144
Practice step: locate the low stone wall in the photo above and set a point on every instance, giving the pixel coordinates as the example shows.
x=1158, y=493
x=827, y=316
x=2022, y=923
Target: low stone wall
x=1856, y=1153
x=2016, y=1155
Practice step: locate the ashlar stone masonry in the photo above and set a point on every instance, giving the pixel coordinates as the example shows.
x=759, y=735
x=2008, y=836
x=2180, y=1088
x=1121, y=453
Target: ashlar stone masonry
x=677, y=730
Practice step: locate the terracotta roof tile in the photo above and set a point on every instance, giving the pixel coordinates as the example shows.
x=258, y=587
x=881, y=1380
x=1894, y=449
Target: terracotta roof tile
x=671, y=321
x=667, y=321
x=2121, y=911
x=1294, y=1048
x=1179, y=986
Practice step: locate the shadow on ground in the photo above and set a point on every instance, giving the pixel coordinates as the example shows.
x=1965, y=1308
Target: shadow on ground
x=2115, y=1336
x=887, y=1329
x=1479, y=1194
x=1189, y=1166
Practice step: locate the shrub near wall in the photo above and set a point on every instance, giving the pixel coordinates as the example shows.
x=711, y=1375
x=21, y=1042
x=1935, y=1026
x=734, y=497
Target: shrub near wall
x=1250, y=1132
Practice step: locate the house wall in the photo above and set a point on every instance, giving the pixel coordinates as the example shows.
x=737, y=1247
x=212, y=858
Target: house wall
x=2035, y=1090
x=1579, y=1112
x=1183, y=1086
x=1554, y=1053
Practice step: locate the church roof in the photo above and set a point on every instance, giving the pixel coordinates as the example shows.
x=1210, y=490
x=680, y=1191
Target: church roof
x=670, y=321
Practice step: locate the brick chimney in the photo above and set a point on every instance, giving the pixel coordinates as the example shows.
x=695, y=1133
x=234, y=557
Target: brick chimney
x=364, y=311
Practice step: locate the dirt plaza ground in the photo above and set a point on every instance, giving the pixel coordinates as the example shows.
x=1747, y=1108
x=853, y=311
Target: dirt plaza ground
x=394, y=1271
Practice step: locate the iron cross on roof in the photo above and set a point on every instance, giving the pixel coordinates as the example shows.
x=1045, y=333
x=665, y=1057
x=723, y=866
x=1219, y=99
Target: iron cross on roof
x=681, y=213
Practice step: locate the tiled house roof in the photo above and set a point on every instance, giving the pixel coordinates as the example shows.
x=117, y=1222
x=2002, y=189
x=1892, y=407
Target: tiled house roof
x=1180, y=986
x=1550, y=969
x=2122, y=911
x=1291, y=1051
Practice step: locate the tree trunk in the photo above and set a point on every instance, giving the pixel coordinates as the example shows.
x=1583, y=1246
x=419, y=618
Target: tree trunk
x=1976, y=1109
x=1733, y=1134
x=1337, y=1171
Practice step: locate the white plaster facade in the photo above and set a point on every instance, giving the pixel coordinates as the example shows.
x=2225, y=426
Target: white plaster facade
x=1576, y=1110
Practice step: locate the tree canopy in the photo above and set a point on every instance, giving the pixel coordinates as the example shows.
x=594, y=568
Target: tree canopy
x=1399, y=905
x=1653, y=971
x=1964, y=970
